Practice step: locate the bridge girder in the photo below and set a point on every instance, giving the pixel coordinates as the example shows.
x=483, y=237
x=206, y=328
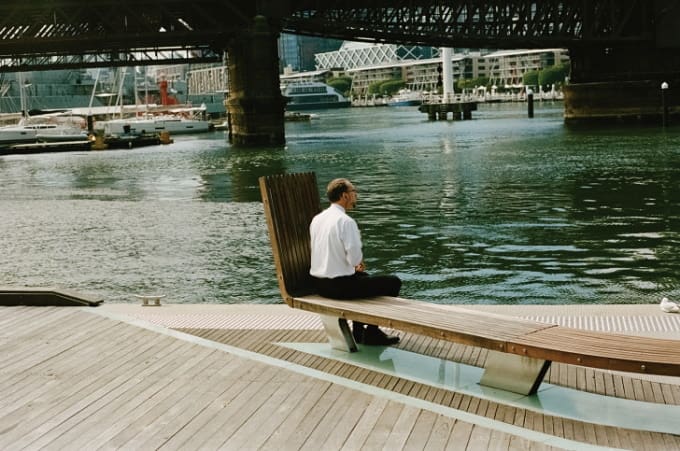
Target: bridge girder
x=478, y=23
x=71, y=33
x=74, y=33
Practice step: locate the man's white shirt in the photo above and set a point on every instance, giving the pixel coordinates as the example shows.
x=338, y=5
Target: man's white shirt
x=335, y=242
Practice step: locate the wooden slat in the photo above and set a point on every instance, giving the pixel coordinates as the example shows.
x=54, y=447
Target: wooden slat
x=523, y=337
x=101, y=396
x=425, y=318
x=604, y=350
x=290, y=202
x=453, y=324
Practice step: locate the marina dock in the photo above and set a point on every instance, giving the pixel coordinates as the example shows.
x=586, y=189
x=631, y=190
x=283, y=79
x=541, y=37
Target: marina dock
x=43, y=147
x=440, y=111
x=206, y=376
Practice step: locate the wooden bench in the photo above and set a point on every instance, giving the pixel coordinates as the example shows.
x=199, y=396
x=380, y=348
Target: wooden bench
x=520, y=351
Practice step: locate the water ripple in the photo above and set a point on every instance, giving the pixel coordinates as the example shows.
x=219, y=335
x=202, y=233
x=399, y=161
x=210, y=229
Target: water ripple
x=499, y=209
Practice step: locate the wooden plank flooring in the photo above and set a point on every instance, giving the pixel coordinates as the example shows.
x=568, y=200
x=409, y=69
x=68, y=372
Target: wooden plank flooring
x=618, y=385
x=72, y=379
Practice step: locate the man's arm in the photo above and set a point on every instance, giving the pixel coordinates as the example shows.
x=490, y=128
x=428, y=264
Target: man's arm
x=352, y=243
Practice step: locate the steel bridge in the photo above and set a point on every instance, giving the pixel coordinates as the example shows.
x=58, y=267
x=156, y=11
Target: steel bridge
x=48, y=34
x=609, y=40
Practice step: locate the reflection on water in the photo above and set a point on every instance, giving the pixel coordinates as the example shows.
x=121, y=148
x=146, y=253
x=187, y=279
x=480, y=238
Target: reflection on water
x=500, y=209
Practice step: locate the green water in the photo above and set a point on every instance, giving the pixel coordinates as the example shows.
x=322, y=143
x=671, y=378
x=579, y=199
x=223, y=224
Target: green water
x=500, y=209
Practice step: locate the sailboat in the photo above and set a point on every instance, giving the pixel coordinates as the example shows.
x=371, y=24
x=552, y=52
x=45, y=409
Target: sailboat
x=16, y=134
x=158, y=118
x=52, y=127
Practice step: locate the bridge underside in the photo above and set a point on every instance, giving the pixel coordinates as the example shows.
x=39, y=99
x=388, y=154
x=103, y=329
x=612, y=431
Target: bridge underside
x=621, y=51
x=614, y=44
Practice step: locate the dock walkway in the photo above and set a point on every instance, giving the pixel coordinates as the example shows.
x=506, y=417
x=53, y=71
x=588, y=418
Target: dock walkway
x=122, y=376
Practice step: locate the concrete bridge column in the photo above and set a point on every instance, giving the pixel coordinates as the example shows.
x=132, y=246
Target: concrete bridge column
x=255, y=104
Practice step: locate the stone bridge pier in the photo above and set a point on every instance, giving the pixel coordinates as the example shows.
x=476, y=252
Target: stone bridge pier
x=622, y=84
x=255, y=104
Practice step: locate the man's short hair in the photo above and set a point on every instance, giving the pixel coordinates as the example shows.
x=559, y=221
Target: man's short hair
x=335, y=189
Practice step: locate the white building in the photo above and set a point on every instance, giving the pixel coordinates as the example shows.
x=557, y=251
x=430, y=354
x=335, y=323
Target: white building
x=507, y=68
x=361, y=54
x=418, y=75
x=417, y=66
x=321, y=75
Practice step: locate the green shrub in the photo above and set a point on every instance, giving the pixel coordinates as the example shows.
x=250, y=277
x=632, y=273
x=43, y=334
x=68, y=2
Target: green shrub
x=530, y=78
x=553, y=75
x=391, y=87
x=341, y=84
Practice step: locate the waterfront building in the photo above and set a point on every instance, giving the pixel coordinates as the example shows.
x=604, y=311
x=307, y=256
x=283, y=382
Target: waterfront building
x=367, y=63
x=418, y=75
x=507, y=68
x=419, y=66
x=353, y=55
x=289, y=51
x=321, y=75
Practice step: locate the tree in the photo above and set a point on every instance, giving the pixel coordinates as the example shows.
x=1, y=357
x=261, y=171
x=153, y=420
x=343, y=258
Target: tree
x=471, y=83
x=386, y=87
x=530, y=78
x=341, y=84
x=391, y=87
x=553, y=75
x=374, y=88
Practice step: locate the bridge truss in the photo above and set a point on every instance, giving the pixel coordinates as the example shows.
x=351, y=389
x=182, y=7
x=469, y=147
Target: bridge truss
x=483, y=23
x=38, y=34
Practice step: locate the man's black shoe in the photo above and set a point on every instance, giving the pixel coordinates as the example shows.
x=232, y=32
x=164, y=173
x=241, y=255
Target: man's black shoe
x=376, y=337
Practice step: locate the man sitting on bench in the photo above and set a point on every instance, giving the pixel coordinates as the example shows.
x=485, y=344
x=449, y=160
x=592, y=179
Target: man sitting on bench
x=337, y=260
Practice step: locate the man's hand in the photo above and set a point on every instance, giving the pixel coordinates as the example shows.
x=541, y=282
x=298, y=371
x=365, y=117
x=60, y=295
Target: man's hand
x=361, y=267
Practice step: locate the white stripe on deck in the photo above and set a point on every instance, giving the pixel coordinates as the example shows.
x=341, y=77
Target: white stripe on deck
x=304, y=321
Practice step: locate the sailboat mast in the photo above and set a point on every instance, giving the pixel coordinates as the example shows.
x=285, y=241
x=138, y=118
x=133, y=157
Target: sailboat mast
x=94, y=90
x=22, y=95
x=120, y=91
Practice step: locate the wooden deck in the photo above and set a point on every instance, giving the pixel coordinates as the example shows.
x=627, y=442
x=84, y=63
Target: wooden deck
x=83, y=378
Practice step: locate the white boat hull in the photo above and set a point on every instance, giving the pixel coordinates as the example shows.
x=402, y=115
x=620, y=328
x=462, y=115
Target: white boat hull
x=16, y=134
x=174, y=126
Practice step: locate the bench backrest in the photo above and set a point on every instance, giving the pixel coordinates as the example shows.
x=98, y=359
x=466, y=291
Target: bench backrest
x=290, y=202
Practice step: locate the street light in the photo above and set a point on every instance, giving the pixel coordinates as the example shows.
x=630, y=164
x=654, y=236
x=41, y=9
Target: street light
x=664, y=118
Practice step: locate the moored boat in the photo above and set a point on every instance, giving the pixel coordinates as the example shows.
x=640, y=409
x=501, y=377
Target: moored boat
x=406, y=97
x=46, y=132
x=313, y=95
x=16, y=134
x=26, y=133
x=175, y=125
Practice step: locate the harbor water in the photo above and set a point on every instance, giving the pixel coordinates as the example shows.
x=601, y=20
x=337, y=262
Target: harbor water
x=499, y=209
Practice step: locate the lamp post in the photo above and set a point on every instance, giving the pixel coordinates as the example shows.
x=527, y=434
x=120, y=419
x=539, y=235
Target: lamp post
x=530, y=102
x=664, y=118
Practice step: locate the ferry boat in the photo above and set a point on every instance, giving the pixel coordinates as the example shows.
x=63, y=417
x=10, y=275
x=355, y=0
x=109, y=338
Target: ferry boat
x=312, y=96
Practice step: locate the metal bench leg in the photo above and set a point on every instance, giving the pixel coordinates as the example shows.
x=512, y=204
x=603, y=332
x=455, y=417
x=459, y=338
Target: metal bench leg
x=513, y=372
x=339, y=333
